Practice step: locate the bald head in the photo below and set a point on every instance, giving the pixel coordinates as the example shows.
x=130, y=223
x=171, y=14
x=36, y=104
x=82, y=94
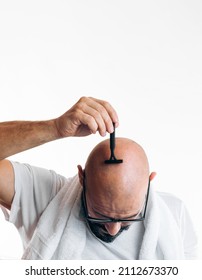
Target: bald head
x=125, y=177
x=115, y=191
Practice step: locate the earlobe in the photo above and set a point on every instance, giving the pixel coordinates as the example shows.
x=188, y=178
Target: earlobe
x=80, y=174
x=152, y=176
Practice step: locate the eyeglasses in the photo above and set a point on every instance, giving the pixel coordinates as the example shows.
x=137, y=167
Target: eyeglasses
x=113, y=220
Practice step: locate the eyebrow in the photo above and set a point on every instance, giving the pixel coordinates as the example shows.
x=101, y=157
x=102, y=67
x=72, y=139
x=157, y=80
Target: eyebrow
x=107, y=217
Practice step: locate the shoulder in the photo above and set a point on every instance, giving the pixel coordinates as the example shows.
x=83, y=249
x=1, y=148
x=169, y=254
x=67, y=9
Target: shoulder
x=31, y=172
x=170, y=199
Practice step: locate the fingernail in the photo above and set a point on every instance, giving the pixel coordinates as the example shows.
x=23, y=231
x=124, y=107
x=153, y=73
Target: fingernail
x=117, y=124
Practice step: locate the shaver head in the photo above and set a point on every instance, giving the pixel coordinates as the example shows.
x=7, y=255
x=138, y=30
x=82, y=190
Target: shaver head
x=113, y=160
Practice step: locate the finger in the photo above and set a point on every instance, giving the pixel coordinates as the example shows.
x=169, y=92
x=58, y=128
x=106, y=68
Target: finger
x=88, y=121
x=110, y=110
x=100, y=118
x=103, y=113
x=92, y=117
x=104, y=110
x=100, y=115
x=92, y=108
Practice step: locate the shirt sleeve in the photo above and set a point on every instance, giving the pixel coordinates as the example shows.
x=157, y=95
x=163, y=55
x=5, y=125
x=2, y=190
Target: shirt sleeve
x=34, y=189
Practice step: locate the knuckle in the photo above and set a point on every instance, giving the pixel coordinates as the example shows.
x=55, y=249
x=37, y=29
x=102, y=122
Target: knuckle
x=78, y=107
x=105, y=104
x=101, y=110
x=81, y=103
x=83, y=99
x=97, y=114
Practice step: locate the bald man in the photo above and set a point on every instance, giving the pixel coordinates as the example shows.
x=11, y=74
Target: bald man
x=107, y=211
x=121, y=194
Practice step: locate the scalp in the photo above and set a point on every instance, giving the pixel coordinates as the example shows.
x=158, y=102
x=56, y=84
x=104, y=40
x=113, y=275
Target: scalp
x=117, y=178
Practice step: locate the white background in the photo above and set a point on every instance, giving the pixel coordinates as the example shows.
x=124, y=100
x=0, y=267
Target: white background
x=144, y=57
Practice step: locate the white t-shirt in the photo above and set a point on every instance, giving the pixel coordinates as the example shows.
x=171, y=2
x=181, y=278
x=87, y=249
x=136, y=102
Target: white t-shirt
x=36, y=187
x=125, y=247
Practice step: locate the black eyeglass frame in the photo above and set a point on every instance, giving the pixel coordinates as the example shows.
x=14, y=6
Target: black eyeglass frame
x=111, y=220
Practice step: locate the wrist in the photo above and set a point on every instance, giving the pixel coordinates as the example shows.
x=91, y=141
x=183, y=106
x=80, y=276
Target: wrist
x=57, y=129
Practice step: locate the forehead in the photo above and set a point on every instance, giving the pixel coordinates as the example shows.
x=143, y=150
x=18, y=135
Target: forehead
x=115, y=189
x=114, y=204
x=118, y=184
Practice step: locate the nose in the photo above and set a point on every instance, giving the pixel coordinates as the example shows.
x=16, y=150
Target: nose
x=113, y=228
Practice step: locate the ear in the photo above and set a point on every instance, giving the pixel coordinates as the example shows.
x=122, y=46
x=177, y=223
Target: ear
x=152, y=175
x=80, y=174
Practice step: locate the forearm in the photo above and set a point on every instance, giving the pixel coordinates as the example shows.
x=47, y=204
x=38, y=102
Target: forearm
x=18, y=136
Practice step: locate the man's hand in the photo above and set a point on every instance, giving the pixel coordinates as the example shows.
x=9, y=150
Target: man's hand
x=87, y=116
